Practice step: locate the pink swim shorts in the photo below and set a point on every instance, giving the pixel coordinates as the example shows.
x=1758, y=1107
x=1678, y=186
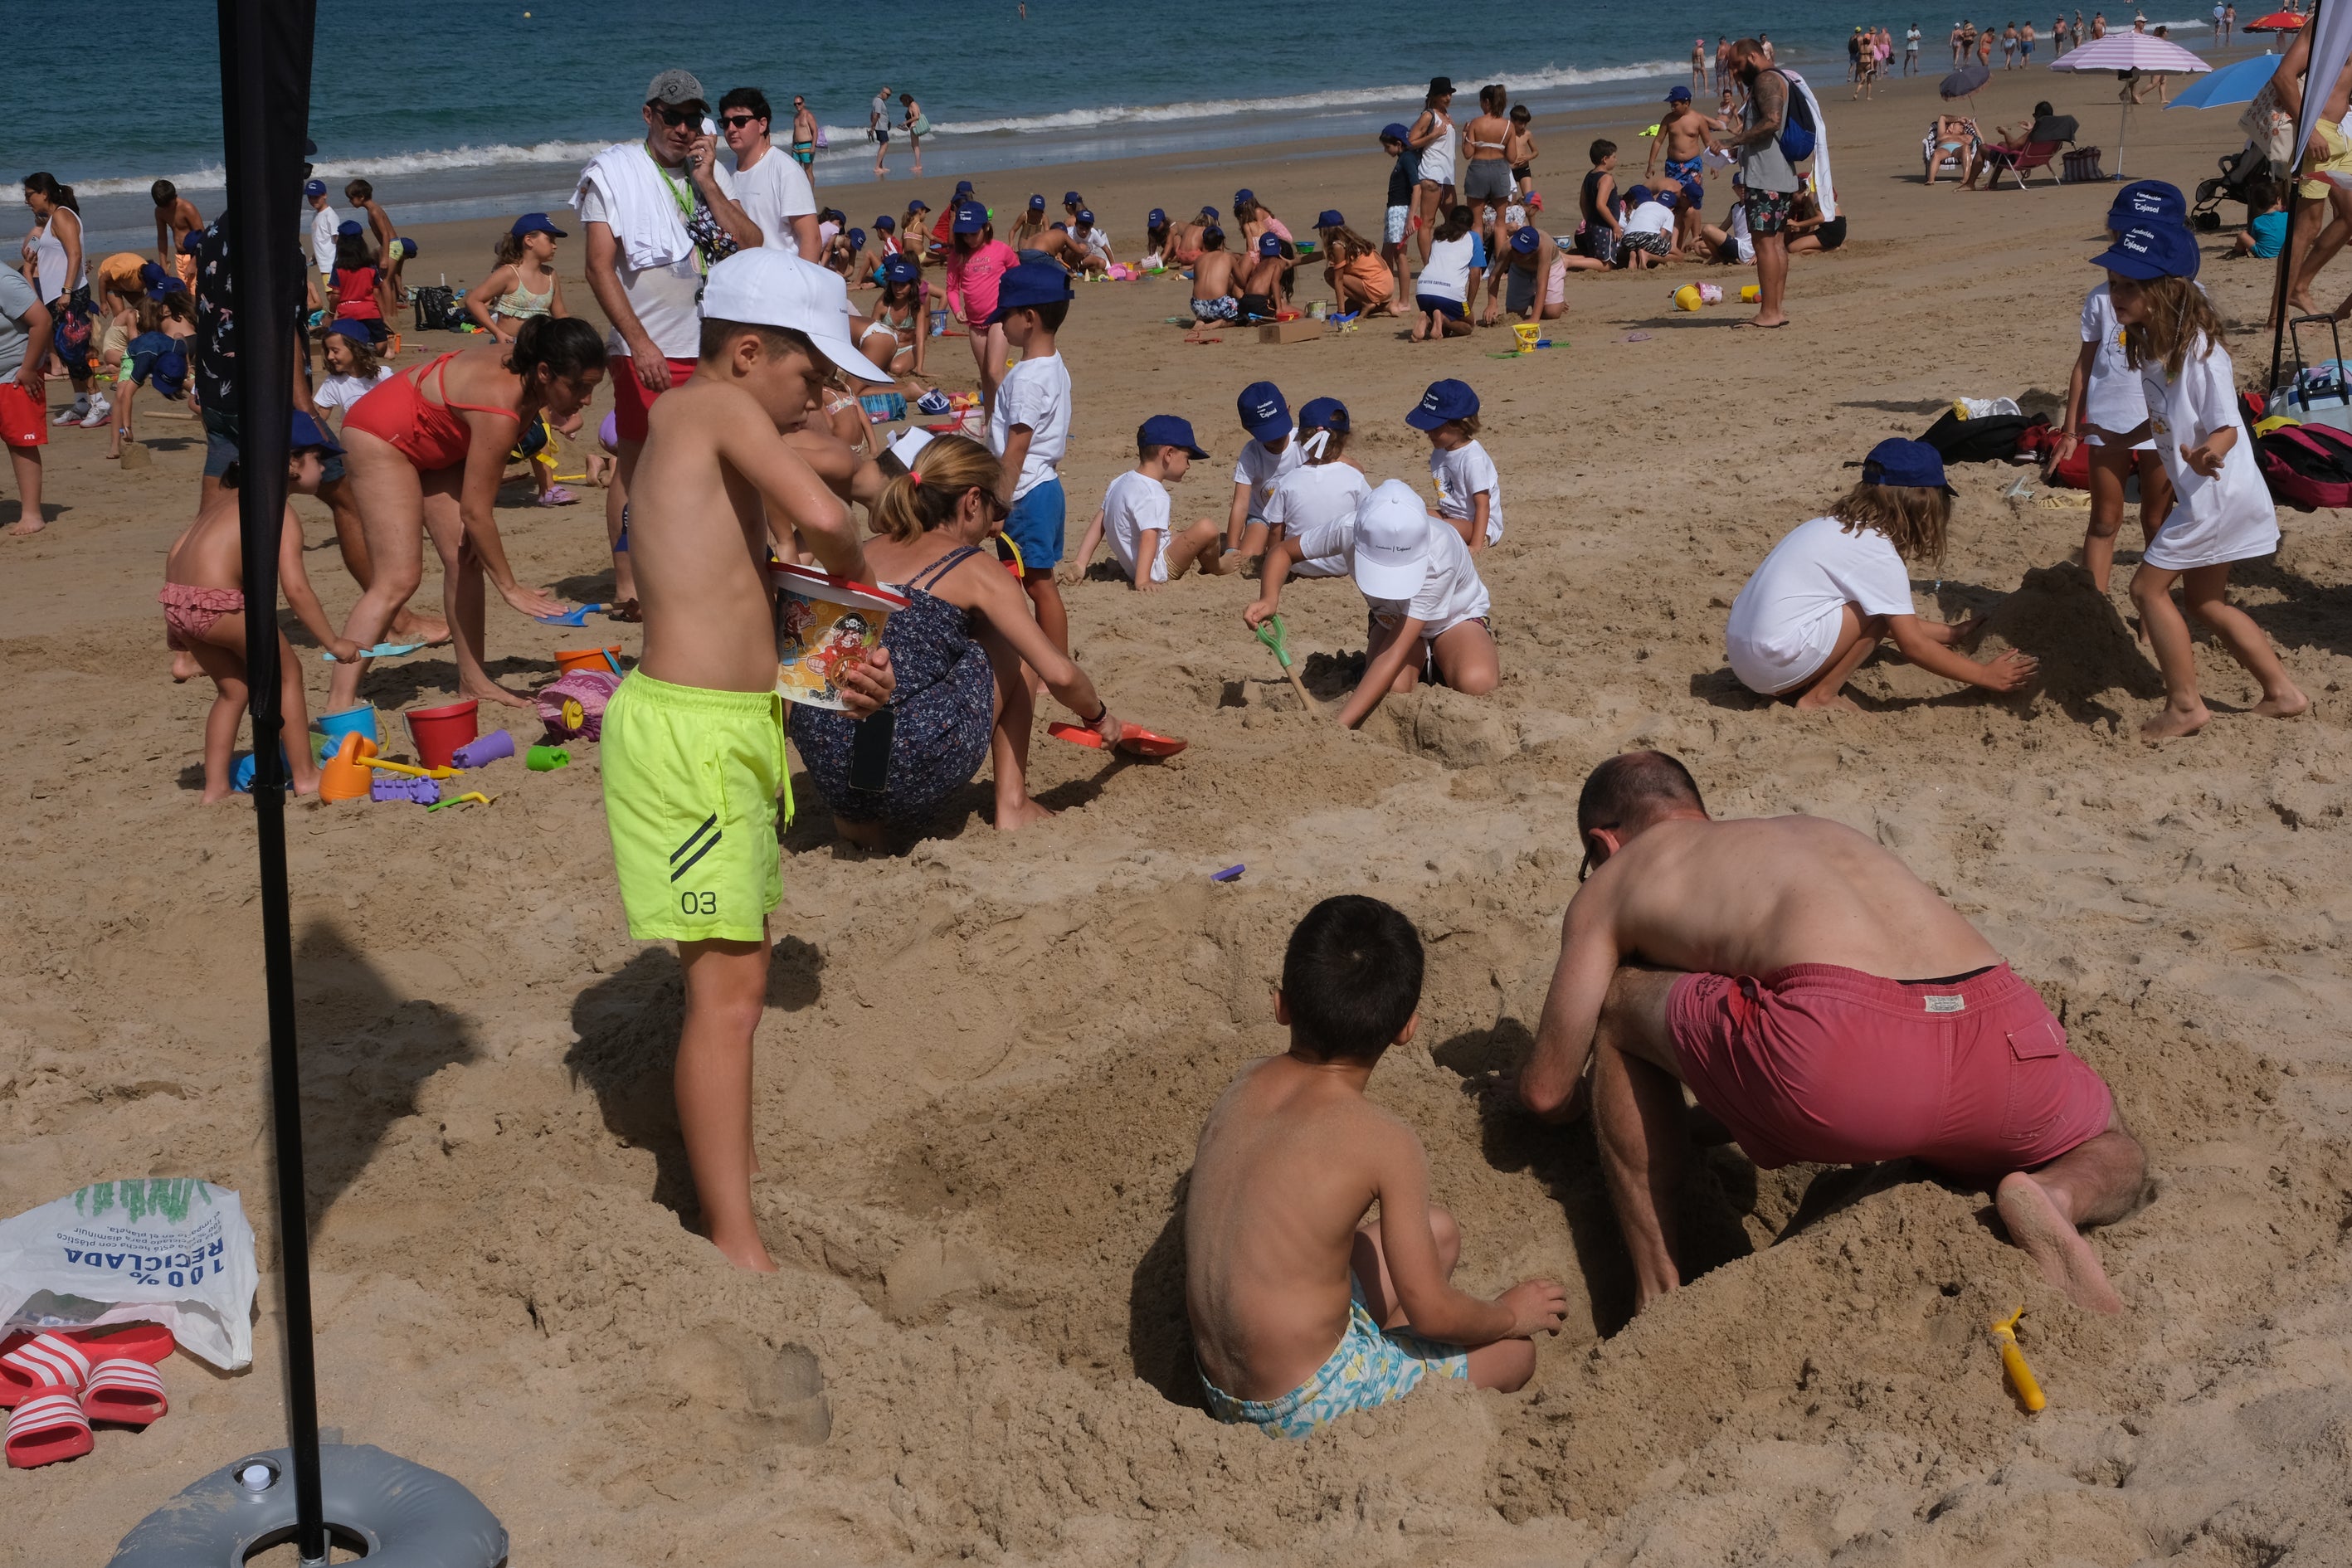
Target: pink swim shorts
x=189, y=611
x=1831, y=1066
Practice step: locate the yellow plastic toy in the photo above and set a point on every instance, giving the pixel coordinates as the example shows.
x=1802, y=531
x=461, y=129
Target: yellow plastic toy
x=414, y=772
x=1749, y=293
x=1687, y=297
x=2013, y=1361
x=1526, y=332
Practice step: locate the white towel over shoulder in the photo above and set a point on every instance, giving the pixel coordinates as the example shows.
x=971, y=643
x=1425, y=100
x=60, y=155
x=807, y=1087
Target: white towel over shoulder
x=1824, y=190
x=646, y=218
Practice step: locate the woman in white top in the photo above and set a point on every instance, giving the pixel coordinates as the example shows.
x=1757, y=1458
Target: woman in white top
x=1432, y=136
x=1837, y=585
x=1325, y=488
x=55, y=248
x=2221, y=511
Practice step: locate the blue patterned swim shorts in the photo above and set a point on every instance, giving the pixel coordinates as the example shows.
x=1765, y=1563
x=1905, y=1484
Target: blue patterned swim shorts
x=1371, y=1367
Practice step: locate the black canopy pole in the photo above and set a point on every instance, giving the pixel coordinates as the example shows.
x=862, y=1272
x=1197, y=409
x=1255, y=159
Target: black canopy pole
x=265, y=52
x=2286, y=251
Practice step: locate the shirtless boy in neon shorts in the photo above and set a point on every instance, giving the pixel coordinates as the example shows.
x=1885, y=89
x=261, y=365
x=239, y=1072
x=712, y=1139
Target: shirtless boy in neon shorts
x=1825, y=1005
x=1301, y=1312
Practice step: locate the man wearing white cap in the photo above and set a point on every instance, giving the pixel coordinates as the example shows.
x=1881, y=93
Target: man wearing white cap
x=693, y=751
x=1428, y=605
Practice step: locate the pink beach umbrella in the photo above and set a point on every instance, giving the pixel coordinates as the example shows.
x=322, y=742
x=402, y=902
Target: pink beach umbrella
x=2130, y=52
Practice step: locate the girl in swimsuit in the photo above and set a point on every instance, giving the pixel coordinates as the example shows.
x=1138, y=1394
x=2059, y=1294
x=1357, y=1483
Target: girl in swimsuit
x=1486, y=183
x=962, y=695
x=894, y=339
x=523, y=285
x=1432, y=136
x=424, y=452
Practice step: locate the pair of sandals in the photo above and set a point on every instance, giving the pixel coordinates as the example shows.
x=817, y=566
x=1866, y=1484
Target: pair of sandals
x=59, y=1383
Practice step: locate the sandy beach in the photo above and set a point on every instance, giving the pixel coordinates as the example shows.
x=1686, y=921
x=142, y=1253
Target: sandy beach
x=985, y=1061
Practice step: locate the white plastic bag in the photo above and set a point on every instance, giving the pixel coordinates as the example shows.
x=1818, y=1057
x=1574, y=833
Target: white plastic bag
x=167, y=1249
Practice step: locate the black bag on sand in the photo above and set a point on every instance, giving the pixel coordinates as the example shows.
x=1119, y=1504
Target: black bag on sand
x=437, y=310
x=1987, y=438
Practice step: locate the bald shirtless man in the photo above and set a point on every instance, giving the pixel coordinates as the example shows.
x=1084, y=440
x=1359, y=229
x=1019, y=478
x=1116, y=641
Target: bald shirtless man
x=1825, y=1005
x=2326, y=169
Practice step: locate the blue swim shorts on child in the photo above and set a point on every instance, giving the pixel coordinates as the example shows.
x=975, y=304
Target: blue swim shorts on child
x=1035, y=526
x=1373, y=1366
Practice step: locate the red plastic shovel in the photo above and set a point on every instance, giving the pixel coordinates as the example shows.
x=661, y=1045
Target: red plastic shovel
x=1142, y=742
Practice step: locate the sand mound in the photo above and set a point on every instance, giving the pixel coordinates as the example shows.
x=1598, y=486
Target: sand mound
x=2089, y=656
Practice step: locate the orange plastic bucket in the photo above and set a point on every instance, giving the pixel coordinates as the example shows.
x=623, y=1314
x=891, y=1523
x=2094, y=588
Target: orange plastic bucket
x=343, y=778
x=439, y=731
x=567, y=659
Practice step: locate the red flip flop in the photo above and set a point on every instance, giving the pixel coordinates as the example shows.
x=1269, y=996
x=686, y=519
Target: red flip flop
x=1141, y=741
x=124, y=1394
x=46, y=1426
x=62, y=1358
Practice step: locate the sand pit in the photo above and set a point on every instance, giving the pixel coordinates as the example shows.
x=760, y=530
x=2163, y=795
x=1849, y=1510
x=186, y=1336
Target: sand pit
x=985, y=1062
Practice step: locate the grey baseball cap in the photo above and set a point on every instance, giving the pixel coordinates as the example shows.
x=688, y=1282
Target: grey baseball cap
x=675, y=86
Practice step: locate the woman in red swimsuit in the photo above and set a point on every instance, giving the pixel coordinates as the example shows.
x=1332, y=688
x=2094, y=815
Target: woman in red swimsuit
x=425, y=451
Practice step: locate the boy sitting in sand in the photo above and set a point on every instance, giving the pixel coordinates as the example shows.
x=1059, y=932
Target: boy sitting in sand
x=1134, y=513
x=1214, y=296
x=694, y=738
x=1301, y=1312
x=204, y=613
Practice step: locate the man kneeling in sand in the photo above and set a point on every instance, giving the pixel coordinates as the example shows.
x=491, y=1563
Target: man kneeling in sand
x=1825, y=1005
x=1301, y=1312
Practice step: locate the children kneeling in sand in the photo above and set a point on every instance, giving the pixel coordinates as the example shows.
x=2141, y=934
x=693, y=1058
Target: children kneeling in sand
x=1301, y=1312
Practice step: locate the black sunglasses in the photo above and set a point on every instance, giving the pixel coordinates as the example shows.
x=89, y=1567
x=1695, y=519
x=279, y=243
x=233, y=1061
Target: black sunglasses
x=676, y=117
x=737, y=121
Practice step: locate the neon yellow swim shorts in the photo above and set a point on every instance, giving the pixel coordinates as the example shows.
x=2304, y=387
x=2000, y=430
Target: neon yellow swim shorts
x=691, y=777
x=2326, y=162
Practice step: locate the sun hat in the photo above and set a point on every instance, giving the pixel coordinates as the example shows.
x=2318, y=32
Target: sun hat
x=1439, y=86
x=1391, y=553
x=535, y=222
x=908, y=444
x=1444, y=402
x=901, y=269
x=1527, y=241
x=1028, y=286
x=1329, y=218
x=1264, y=413
x=765, y=288
x=1269, y=245
x=970, y=217
x=2145, y=251
x=1324, y=413
x=1168, y=430
x=1908, y=465
x=675, y=87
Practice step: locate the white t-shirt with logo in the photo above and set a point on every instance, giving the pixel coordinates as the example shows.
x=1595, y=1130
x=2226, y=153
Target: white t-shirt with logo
x=1784, y=625
x=1259, y=468
x=2230, y=517
x=1451, y=591
x=1135, y=503
x=1035, y=392
x=2112, y=397
x=1459, y=476
x=1312, y=496
x=771, y=192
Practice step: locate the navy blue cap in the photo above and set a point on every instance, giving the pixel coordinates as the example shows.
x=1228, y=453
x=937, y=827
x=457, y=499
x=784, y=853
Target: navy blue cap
x=1155, y=218
x=1031, y=284
x=1527, y=241
x=919, y=205
x=2147, y=201
x=2147, y=251
x=350, y=327
x=1444, y=402
x=1393, y=132
x=885, y=223
x=856, y=240
x=1666, y=197
x=1086, y=216
x=1678, y=95
x=1167, y=430
x=307, y=433
x=314, y=188
x=1637, y=195
x=1037, y=204
x=1911, y=464
x=190, y=241
x=1269, y=245
x=1209, y=213
x=406, y=247
x=1329, y=218
x=535, y=222
x=1058, y=224
x=901, y=269
x=348, y=226
x=1324, y=413
x=1694, y=192
x=970, y=217
x=1264, y=413
x=1071, y=198
x=1244, y=196
x=150, y=274
x=964, y=187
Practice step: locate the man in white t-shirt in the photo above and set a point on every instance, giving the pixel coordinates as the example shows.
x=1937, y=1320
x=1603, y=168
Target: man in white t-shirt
x=656, y=214
x=771, y=188
x=877, y=125
x=1428, y=605
x=1911, y=50
x=1134, y=516
x=324, y=221
x=1270, y=453
x=1836, y=586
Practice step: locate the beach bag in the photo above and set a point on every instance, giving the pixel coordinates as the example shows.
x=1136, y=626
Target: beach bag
x=437, y=310
x=2081, y=166
x=2306, y=466
x=1988, y=439
x=2268, y=126
x=1796, y=129
x=574, y=707
x=161, y=1249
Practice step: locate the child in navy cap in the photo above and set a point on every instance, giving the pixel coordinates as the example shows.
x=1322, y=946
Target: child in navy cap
x=1469, y=491
x=2223, y=511
x=1134, y=515
x=1029, y=431
x=1272, y=451
x=1831, y=591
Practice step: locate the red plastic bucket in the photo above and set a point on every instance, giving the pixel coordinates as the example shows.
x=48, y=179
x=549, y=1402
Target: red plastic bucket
x=439, y=731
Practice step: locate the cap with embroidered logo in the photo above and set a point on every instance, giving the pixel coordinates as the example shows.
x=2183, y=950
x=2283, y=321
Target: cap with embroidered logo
x=1265, y=415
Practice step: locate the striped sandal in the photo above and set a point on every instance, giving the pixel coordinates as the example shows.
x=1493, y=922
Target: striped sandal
x=47, y=1426
x=124, y=1393
x=62, y=1358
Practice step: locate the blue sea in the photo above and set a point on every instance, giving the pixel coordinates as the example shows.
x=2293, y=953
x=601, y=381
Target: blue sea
x=463, y=108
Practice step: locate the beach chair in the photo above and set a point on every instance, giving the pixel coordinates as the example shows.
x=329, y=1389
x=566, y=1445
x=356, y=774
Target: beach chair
x=2017, y=161
x=1945, y=161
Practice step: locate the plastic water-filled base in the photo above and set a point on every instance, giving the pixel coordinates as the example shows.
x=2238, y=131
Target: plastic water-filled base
x=399, y=1513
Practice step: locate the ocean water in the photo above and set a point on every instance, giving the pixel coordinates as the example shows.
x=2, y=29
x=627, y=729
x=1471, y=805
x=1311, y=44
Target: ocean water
x=460, y=109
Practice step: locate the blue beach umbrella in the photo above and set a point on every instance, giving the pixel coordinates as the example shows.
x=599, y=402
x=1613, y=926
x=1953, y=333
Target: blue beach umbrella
x=2231, y=84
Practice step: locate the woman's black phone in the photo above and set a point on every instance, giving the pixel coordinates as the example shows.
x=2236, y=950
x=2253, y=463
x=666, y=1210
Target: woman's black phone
x=869, y=751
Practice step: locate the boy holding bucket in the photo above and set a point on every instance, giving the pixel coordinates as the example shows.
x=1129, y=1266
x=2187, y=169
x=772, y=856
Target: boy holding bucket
x=693, y=750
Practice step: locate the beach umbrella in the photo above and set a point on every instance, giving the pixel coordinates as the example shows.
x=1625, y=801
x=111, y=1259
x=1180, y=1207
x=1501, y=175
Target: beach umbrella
x=2232, y=84
x=1965, y=82
x=2276, y=22
x=2124, y=53
x=353, y=1491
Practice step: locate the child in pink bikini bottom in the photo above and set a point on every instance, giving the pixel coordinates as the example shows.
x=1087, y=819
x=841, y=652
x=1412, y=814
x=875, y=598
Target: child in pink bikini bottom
x=189, y=612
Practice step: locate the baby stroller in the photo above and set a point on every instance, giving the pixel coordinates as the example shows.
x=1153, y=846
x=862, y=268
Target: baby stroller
x=2238, y=170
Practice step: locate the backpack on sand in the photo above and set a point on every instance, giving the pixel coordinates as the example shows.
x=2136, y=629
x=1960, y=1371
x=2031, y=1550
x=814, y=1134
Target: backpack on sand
x=2306, y=466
